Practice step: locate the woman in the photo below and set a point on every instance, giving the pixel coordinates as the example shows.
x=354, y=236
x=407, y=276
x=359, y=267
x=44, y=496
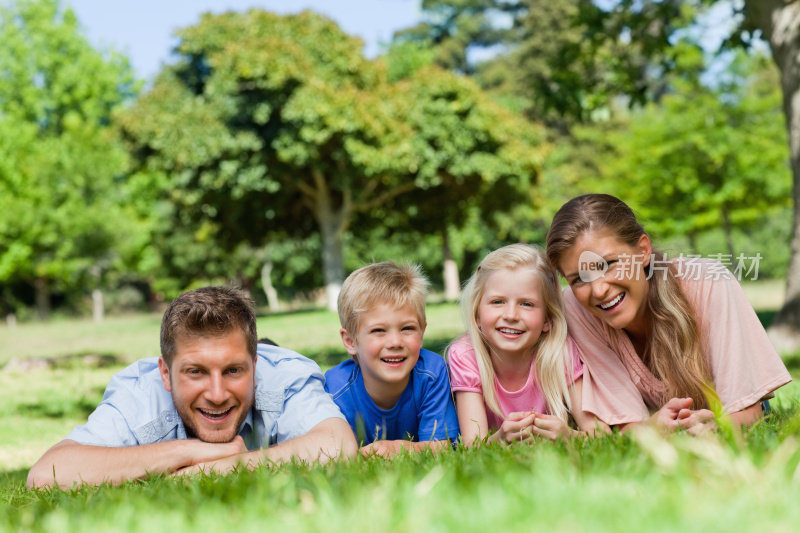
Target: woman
x=670, y=336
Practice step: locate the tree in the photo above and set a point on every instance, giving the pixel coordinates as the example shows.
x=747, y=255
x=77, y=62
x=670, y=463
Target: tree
x=285, y=116
x=59, y=213
x=630, y=43
x=779, y=22
x=473, y=155
x=705, y=158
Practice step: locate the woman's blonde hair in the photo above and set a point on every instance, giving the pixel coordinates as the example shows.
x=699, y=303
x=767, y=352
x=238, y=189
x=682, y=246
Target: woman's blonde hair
x=552, y=359
x=674, y=352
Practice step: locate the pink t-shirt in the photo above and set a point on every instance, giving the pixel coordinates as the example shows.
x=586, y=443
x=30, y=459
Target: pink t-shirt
x=464, y=376
x=619, y=388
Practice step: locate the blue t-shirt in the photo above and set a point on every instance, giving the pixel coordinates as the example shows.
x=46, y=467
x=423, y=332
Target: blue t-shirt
x=425, y=410
x=289, y=400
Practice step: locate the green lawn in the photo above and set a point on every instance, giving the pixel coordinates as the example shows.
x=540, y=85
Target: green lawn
x=633, y=482
x=617, y=483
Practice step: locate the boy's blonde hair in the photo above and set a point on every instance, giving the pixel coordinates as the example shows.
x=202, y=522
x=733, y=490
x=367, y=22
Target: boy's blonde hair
x=552, y=360
x=378, y=283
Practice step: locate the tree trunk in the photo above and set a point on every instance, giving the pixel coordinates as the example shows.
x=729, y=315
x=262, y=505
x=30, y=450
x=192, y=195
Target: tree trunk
x=42, y=288
x=269, y=288
x=779, y=20
x=452, y=285
x=332, y=259
x=98, y=309
x=333, y=221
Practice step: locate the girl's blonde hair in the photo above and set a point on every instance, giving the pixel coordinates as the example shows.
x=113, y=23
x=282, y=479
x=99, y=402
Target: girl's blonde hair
x=552, y=359
x=674, y=352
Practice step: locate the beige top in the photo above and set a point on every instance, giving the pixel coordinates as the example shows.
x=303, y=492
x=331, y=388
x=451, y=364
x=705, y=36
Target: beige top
x=619, y=388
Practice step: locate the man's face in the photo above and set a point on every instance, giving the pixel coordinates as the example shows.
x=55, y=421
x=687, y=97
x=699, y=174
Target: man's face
x=212, y=381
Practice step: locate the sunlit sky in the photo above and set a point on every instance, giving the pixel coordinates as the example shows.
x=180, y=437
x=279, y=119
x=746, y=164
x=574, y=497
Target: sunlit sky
x=142, y=29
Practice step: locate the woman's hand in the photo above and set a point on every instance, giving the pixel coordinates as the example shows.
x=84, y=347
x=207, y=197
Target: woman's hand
x=676, y=414
x=666, y=418
x=697, y=422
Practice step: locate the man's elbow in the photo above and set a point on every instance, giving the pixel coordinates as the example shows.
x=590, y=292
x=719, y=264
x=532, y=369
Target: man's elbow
x=43, y=472
x=349, y=443
x=41, y=475
x=343, y=442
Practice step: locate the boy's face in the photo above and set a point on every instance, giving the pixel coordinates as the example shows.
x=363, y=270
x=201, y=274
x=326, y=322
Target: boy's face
x=386, y=347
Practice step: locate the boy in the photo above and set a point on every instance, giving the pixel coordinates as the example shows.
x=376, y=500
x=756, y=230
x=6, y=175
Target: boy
x=394, y=394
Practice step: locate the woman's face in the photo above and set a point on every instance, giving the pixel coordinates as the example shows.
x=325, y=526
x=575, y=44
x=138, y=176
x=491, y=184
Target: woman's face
x=607, y=277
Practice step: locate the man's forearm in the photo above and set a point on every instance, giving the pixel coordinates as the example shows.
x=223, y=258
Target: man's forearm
x=330, y=439
x=69, y=462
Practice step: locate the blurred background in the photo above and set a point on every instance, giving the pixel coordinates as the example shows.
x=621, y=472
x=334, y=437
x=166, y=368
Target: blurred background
x=149, y=148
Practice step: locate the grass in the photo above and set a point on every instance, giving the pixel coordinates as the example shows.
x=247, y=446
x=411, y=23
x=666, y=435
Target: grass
x=639, y=481
x=616, y=483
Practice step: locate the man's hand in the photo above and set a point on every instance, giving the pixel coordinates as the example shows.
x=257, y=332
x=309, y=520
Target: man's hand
x=70, y=462
x=226, y=463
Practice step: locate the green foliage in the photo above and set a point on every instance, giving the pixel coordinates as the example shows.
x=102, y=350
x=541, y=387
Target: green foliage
x=274, y=127
x=706, y=158
x=561, y=61
x=60, y=213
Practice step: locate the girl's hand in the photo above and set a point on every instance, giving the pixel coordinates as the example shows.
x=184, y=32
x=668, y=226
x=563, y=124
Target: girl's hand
x=516, y=427
x=550, y=427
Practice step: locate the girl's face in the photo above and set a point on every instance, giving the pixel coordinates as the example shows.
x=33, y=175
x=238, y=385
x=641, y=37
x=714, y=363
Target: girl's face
x=511, y=313
x=607, y=277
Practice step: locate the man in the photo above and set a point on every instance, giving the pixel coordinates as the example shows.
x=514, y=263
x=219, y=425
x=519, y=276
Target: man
x=213, y=401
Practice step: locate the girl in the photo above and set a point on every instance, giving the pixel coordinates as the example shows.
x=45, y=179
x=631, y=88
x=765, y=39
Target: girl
x=515, y=372
x=670, y=336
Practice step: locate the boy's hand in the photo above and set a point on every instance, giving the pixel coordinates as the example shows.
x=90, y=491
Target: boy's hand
x=384, y=448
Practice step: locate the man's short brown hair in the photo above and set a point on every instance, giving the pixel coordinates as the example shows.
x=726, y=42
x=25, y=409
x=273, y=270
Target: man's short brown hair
x=208, y=312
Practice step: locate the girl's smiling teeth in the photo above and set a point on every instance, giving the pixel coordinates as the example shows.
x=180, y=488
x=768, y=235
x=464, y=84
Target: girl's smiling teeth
x=509, y=331
x=607, y=306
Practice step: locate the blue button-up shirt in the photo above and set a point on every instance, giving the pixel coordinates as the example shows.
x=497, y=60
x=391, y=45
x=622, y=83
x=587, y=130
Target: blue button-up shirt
x=290, y=399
